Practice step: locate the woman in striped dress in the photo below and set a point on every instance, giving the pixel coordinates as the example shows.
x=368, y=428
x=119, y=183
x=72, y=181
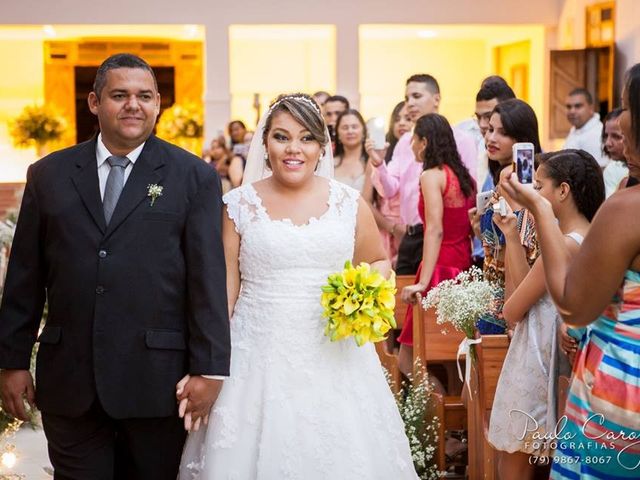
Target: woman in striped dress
x=599, y=437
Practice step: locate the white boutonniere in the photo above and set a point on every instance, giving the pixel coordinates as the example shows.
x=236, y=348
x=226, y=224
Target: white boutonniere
x=154, y=191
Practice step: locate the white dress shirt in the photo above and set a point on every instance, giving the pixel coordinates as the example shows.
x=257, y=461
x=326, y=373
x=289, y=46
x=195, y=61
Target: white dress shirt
x=102, y=153
x=588, y=138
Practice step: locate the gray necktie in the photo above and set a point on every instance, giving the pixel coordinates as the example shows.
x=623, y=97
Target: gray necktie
x=115, y=183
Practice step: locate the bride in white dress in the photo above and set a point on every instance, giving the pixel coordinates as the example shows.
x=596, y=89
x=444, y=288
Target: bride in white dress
x=296, y=405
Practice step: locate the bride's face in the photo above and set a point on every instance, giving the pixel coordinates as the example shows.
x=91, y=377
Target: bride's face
x=293, y=152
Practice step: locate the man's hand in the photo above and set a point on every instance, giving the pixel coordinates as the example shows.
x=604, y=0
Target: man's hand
x=196, y=395
x=15, y=387
x=376, y=157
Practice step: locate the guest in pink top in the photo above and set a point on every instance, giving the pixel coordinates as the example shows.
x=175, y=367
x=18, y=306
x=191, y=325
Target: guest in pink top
x=387, y=210
x=402, y=175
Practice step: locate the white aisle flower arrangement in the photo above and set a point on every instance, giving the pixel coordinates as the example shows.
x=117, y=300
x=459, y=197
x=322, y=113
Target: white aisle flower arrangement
x=417, y=407
x=459, y=303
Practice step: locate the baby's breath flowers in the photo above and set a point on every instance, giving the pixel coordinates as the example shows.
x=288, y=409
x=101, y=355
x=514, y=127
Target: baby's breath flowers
x=358, y=302
x=154, y=191
x=459, y=302
x=417, y=406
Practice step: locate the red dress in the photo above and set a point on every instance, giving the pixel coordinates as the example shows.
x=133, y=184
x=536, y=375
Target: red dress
x=455, y=249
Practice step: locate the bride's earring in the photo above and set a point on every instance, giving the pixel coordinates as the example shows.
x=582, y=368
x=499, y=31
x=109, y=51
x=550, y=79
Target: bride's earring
x=266, y=160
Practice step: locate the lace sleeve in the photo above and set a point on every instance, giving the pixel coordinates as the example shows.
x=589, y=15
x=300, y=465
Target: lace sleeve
x=345, y=200
x=240, y=207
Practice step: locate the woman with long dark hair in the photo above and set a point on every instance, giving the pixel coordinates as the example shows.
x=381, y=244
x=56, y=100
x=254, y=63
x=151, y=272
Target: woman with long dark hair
x=511, y=121
x=599, y=287
x=524, y=414
x=447, y=191
x=349, y=155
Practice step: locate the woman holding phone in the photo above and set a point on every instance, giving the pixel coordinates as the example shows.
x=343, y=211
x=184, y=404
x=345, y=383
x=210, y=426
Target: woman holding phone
x=571, y=180
x=599, y=287
x=512, y=121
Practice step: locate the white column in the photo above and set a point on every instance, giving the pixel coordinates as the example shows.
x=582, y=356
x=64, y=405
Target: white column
x=217, y=100
x=348, y=62
x=627, y=38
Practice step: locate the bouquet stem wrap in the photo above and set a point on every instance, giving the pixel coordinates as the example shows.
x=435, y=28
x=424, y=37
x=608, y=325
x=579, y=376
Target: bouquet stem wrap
x=465, y=349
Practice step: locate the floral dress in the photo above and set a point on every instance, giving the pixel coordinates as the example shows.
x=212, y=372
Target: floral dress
x=493, y=243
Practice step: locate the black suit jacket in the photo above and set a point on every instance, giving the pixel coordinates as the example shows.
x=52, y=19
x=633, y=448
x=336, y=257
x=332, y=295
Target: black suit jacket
x=134, y=305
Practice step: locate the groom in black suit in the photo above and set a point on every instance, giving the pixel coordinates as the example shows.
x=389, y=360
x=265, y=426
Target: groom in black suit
x=122, y=236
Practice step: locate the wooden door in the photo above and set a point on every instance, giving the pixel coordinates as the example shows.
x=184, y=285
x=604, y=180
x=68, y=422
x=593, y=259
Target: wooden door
x=567, y=72
x=591, y=68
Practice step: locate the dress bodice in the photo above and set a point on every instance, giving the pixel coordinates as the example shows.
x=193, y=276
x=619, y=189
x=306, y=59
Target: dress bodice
x=279, y=258
x=281, y=261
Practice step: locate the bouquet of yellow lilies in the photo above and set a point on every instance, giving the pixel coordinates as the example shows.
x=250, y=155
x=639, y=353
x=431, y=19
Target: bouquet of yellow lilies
x=359, y=302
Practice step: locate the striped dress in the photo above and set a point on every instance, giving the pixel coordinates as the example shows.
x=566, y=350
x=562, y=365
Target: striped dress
x=601, y=437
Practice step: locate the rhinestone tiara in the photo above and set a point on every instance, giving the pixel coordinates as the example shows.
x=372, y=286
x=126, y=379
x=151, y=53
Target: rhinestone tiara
x=297, y=98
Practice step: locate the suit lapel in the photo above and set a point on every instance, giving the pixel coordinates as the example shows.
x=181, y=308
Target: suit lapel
x=87, y=184
x=146, y=171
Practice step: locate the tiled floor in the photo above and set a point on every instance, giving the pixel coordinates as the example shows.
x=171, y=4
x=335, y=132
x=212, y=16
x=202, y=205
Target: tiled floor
x=32, y=458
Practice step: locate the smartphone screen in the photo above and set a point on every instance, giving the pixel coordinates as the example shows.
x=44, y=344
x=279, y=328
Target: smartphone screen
x=375, y=130
x=523, y=159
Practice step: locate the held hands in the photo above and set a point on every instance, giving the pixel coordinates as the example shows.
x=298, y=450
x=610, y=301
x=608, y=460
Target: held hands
x=376, y=157
x=15, y=387
x=196, y=395
x=411, y=293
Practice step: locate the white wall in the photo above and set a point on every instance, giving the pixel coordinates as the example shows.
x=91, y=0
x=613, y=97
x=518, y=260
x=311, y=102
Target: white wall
x=627, y=35
x=225, y=12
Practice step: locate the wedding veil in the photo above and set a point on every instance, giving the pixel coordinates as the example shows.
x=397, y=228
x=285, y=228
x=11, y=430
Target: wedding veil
x=256, y=167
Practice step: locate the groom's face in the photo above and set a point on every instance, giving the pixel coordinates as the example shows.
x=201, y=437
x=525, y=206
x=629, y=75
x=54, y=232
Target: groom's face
x=127, y=108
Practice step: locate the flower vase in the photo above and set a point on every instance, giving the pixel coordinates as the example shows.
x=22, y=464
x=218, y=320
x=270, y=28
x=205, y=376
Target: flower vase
x=41, y=149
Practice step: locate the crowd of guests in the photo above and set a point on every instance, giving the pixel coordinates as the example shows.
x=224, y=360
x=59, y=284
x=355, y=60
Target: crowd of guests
x=435, y=190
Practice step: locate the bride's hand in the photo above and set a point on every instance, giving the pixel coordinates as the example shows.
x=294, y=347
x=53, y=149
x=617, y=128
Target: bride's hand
x=180, y=385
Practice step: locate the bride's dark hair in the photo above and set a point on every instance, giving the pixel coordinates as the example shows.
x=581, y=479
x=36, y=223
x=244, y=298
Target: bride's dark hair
x=304, y=110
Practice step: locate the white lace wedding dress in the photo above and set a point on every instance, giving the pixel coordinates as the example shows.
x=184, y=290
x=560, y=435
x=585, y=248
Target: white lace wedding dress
x=296, y=405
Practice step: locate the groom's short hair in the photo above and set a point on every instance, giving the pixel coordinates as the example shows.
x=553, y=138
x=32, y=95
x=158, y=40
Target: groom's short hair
x=120, y=60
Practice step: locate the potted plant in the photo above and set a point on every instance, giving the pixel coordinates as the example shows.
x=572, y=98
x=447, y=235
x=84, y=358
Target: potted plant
x=36, y=126
x=182, y=125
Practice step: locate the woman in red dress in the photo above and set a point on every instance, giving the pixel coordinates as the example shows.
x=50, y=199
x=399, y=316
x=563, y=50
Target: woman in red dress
x=447, y=192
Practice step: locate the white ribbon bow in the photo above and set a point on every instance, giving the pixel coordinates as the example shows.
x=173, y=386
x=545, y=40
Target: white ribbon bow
x=465, y=349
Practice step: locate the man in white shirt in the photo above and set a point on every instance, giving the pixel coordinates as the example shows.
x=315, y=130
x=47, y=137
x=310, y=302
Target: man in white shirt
x=586, y=130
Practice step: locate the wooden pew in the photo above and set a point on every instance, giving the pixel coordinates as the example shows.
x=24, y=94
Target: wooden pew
x=431, y=346
x=388, y=357
x=485, y=371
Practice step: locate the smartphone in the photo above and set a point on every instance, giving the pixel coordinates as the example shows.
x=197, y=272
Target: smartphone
x=375, y=130
x=482, y=201
x=523, y=162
